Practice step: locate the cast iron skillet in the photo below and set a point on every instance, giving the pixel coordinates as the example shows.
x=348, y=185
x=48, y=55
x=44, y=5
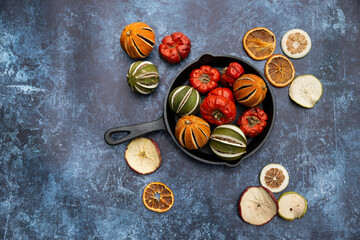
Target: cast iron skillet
x=169, y=118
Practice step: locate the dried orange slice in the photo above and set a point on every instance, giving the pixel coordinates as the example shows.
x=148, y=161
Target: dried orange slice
x=158, y=197
x=259, y=43
x=279, y=70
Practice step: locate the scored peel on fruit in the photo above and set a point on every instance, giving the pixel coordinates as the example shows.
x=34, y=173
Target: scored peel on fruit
x=137, y=40
x=292, y=205
x=257, y=205
x=143, y=77
x=158, y=197
x=228, y=142
x=192, y=132
x=274, y=177
x=296, y=43
x=249, y=90
x=306, y=90
x=143, y=155
x=184, y=100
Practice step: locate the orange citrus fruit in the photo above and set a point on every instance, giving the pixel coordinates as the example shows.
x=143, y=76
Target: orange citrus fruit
x=279, y=70
x=259, y=43
x=158, y=197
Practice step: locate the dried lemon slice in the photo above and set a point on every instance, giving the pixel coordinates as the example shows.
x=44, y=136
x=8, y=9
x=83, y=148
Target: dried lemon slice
x=296, y=43
x=158, y=197
x=274, y=177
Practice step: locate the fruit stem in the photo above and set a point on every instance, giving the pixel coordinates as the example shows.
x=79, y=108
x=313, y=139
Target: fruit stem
x=187, y=122
x=252, y=120
x=223, y=71
x=204, y=78
x=217, y=115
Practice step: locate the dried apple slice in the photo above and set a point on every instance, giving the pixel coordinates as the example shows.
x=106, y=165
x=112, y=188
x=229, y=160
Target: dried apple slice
x=306, y=90
x=257, y=205
x=143, y=155
x=292, y=205
x=274, y=177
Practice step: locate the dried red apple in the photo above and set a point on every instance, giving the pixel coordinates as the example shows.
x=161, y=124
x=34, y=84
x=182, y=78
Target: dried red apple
x=257, y=205
x=143, y=155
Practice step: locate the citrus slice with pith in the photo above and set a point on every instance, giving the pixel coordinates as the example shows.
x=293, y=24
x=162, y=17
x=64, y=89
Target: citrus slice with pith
x=296, y=43
x=279, y=70
x=259, y=43
x=274, y=177
x=306, y=90
x=158, y=197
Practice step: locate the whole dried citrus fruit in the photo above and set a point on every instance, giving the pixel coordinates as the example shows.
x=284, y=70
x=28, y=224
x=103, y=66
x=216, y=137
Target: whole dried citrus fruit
x=279, y=70
x=158, y=197
x=296, y=43
x=137, y=40
x=192, y=132
x=249, y=90
x=259, y=43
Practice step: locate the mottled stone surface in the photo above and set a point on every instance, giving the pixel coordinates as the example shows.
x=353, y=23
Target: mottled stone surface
x=63, y=84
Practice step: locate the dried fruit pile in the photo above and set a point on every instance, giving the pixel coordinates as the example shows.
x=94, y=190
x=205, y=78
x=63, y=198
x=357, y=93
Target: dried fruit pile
x=218, y=110
x=258, y=205
x=260, y=44
x=215, y=106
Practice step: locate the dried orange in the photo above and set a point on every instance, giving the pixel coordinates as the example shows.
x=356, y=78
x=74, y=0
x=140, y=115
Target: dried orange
x=158, y=197
x=259, y=43
x=279, y=70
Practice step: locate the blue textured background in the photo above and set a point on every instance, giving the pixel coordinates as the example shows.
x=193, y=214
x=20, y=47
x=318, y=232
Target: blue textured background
x=63, y=84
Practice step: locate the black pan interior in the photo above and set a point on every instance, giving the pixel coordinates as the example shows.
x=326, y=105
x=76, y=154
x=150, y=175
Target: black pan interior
x=205, y=154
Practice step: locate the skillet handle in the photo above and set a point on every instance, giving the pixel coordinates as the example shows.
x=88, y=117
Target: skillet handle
x=134, y=131
x=205, y=59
